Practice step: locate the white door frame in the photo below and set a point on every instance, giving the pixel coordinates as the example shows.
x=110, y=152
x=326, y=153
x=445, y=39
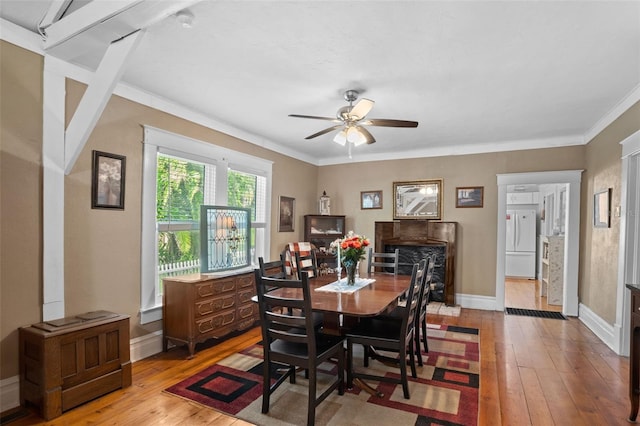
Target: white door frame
x=572, y=232
x=629, y=251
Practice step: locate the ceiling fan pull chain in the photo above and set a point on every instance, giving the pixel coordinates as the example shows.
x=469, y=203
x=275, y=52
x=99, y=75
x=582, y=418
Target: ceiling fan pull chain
x=349, y=149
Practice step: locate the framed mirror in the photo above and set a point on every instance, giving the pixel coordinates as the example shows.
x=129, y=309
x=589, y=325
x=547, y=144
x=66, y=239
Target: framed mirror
x=418, y=199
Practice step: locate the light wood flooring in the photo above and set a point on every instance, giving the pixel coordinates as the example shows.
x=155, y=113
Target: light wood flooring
x=534, y=371
x=525, y=294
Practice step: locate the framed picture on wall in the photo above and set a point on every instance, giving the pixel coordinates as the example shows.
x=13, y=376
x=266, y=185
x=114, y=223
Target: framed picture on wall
x=287, y=214
x=107, y=181
x=370, y=200
x=469, y=196
x=602, y=208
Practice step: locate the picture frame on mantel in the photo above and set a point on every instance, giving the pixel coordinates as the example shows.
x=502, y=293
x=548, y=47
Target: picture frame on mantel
x=602, y=209
x=287, y=214
x=107, y=181
x=418, y=199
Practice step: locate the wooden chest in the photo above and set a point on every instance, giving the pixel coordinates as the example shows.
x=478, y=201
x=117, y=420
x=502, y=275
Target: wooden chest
x=199, y=307
x=67, y=362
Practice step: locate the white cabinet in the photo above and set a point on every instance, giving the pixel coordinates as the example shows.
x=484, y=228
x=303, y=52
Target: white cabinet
x=552, y=283
x=522, y=197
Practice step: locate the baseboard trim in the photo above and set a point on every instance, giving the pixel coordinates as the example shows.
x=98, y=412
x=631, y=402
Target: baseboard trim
x=146, y=346
x=609, y=334
x=471, y=301
x=9, y=393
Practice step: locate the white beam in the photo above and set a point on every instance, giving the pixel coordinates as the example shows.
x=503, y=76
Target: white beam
x=56, y=9
x=98, y=23
x=53, y=107
x=97, y=95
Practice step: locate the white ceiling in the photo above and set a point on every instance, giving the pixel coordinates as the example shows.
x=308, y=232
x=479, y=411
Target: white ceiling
x=478, y=76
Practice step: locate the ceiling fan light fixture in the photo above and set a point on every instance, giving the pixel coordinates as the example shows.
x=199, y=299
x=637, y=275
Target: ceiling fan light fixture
x=355, y=137
x=341, y=137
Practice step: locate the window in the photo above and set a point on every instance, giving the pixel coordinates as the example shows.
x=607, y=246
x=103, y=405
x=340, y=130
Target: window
x=179, y=175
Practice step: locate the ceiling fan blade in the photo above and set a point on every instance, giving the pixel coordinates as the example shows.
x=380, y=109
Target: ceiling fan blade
x=361, y=109
x=386, y=122
x=322, y=132
x=315, y=117
x=368, y=136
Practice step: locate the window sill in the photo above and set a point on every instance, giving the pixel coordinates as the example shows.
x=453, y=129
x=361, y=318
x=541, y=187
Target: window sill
x=151, y=314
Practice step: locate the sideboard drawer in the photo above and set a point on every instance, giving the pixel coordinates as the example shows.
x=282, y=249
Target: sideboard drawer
x=209, y=306
x=211, y=288
x=216, y=322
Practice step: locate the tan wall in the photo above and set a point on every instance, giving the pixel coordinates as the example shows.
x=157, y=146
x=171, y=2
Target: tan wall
x=477, y=232
x=20, y=197
x=102, y=247
x=599, y=248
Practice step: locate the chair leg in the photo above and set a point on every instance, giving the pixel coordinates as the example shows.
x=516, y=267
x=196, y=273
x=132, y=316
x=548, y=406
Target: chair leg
x=365, y=349
x=424, y=335
x=266, y=385
x=349, y=364
x=416, y=344
x=403, y=373
x=412, y=359
x=341, y=371
x=311, y=406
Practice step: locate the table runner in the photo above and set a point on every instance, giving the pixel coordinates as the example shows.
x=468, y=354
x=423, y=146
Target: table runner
x=342, y=287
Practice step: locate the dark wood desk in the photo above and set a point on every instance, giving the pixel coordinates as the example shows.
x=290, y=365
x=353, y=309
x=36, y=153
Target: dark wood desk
x=371, y=300
x=634, y=355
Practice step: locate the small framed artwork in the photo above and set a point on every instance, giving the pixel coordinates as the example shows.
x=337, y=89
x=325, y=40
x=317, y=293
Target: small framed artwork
x=602, y=208
x=418, y=199
x=469, y=196
x=107, y=181
x=287, y=214
x=370, y=200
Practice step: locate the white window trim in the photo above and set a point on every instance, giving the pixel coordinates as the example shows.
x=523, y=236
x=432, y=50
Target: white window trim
x=158, y=140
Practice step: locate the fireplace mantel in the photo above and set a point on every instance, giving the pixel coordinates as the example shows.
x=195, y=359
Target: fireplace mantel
x=423, y=233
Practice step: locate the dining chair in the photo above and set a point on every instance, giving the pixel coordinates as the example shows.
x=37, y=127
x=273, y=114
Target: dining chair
x=307, y=263
x=276, y=269
x=392, y=336
x=273, y=269
x=292, y=341
x=385, y=261
x=302, y=247
x=421, y=317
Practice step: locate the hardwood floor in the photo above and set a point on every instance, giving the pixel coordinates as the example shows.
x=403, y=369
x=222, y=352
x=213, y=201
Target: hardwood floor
x=534, y=371
x=525, y=294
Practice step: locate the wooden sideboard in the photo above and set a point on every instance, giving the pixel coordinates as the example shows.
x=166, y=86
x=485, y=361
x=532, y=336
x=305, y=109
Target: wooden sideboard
x=67, y=362
x=200, y=307
x=424, y=236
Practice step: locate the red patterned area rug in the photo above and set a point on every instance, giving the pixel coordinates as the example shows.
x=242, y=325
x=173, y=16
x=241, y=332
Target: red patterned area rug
x=445, y=392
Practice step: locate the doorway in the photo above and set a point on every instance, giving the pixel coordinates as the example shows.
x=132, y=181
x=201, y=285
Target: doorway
x=536, y=216
x=571, y=179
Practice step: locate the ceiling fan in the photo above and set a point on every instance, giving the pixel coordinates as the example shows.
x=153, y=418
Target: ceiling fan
x=351, y=119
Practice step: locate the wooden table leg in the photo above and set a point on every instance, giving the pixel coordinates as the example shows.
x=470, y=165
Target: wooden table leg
x=367, y=388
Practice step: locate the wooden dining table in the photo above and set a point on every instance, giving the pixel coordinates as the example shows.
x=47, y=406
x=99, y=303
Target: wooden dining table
x=373, y=299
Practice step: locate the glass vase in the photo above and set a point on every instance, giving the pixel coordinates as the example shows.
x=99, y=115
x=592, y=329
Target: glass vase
x=351, y=267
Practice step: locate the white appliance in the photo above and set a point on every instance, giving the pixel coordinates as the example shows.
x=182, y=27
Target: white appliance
x=521, y=244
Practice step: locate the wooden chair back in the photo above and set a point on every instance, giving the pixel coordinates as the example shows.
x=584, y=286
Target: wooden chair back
x=384, y=262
